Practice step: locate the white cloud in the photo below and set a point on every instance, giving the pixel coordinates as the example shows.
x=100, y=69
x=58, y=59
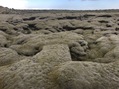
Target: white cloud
x=16, y=4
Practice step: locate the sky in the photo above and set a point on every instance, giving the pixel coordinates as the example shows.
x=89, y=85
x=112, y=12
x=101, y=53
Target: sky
x=61, y=4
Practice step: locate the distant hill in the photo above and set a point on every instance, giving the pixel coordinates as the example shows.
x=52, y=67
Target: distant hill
x=6, y=10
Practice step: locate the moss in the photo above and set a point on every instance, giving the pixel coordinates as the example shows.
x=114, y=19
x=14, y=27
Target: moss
x=53, y=77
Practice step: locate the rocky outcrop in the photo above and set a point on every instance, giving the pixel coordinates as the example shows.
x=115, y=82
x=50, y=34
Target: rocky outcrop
x=4, y=10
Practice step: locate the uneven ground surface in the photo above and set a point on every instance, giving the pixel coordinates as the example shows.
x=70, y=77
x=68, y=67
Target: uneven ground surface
x=59, y=50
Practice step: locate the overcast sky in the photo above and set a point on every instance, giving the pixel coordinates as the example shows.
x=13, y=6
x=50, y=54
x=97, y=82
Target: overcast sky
x=61, y=4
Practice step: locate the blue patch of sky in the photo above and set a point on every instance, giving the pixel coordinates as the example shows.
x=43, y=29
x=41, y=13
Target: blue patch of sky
x=74, y=4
